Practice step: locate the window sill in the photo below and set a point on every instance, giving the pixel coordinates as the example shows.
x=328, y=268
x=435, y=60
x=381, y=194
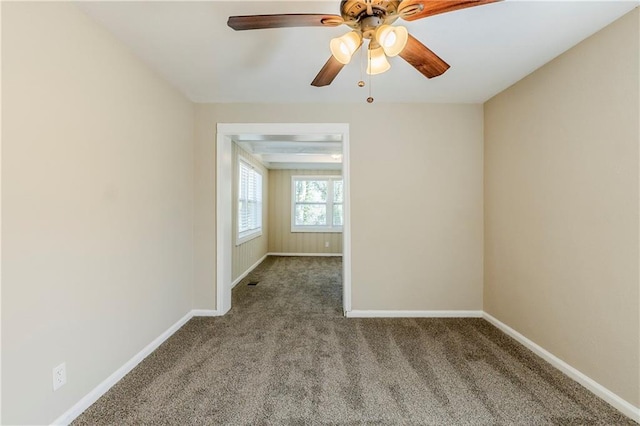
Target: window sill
x=316, y=229
x=241, y=239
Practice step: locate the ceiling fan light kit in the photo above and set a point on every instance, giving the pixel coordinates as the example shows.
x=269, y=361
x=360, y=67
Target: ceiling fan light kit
x=392, y=39
x=369, y=20
x=377, y=62
x=343, y=48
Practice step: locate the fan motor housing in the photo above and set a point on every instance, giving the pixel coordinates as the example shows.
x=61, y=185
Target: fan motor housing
x=355, y=10
x=368, y=25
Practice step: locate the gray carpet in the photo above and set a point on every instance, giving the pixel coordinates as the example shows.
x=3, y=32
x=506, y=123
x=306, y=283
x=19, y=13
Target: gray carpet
x=285, y=355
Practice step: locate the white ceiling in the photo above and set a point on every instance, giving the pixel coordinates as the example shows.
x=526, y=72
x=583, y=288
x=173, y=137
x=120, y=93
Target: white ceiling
x=318, y=152
x=488, y=47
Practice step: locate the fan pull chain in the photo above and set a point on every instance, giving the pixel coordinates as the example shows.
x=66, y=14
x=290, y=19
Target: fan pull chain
x=370, y=98
x=361, y=60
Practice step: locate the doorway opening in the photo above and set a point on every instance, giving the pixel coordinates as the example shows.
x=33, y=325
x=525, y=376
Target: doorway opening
x=226, y=133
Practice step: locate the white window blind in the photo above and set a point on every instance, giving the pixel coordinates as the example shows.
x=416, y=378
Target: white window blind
x=249, y=202
x=317, y=204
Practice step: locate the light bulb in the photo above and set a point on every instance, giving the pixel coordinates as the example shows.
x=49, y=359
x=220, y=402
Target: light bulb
x=392, y=39
x=377, y=62
x=342, y=48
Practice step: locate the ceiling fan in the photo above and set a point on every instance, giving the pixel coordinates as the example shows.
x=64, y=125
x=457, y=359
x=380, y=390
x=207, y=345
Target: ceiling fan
x=369, y=20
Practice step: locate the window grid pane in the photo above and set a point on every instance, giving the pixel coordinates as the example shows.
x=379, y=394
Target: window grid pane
x=311, y=215
x=337, y=215
x=317, y=203
x=338, y=195
x=311, y=191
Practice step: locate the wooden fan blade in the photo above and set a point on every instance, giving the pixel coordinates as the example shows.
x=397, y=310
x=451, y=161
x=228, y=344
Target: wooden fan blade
x=328, y=72
x=423, y=59
x=411, y=10
x=257, y=22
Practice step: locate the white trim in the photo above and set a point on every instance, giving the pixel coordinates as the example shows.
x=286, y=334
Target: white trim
x=248, y=236
x=413, y=314
x=224, y=179
x=224, y=176
x=251, y=268
x=316, y=229
x=306, y=254
x=600, y=391
x=205, y=313
x=346, y=224
x=79, y=407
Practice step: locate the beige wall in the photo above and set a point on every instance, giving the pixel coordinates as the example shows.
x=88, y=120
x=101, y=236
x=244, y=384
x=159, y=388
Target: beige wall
x=248, y=253
x=104, y=187
x=281, y=239
x=97, y=217
x=428, y=257
x=561, y=207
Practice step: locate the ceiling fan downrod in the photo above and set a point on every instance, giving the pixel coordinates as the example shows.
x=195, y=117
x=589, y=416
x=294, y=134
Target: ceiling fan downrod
x=369, y=25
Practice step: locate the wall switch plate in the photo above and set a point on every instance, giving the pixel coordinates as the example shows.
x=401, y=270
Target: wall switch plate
x=326, y=244
x=59, y=376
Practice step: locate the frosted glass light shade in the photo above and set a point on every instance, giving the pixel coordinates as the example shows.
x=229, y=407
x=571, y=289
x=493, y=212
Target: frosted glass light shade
x=392, y=39
x=342, y=48
x=377, y=62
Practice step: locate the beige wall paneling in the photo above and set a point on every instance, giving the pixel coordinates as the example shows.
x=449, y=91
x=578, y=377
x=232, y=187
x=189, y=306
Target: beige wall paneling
x=429, y=158
x=561, y=207
x=281, y=239
x=97, y=207
x=248, y=253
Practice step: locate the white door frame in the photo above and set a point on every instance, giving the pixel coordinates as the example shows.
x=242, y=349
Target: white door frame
x=224, y=179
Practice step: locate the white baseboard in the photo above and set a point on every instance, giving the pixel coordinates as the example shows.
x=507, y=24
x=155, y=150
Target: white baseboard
x=248, y=271
x=306, y=254
x=614, y=400
x=79, y=407
x=205, y=313
x=413, y=314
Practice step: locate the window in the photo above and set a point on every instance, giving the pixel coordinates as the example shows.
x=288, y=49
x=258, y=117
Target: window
x=316, y=203
x=249, y=202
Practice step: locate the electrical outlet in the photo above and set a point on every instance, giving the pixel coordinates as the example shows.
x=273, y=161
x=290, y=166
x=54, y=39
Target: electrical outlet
x=326, y=244
x=59, y=376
